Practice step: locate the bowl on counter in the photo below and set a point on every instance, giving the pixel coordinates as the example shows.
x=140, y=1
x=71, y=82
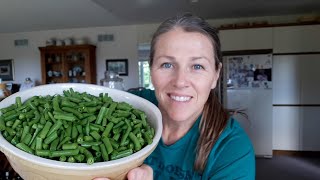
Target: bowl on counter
x=29, y=166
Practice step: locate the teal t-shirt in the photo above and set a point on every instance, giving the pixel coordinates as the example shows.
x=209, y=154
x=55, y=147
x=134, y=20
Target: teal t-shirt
x=232, y=156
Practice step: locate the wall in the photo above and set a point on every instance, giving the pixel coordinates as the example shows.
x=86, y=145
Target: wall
x=127, y=38
x=27, y=59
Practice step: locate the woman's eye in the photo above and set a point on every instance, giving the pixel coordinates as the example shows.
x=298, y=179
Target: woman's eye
x=197, y=66
x=167, y=65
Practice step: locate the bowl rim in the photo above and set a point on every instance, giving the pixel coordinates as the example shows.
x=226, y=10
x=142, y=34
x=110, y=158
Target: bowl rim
x=12, y=150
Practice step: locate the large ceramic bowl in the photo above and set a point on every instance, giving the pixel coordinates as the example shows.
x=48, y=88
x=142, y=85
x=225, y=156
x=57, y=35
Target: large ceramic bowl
x=29, y=166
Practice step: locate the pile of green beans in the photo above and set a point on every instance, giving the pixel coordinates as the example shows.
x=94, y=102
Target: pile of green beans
x=75, y=127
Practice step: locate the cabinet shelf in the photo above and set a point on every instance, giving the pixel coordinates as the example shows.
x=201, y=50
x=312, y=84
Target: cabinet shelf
x=70, y=61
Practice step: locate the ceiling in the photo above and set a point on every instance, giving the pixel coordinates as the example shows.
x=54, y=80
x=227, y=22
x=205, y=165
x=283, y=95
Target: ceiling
x=35, y=15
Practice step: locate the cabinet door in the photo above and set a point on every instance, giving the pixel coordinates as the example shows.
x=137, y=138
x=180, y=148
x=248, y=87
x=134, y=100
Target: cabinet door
x=296, y=39
x=310, y=79
x=286, y=128
x=309, y=129
x=246, y=39
x=286, y=79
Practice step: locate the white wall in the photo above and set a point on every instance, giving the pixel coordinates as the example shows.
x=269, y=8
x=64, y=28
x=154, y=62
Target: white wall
x=127, y=38
x=27, y=59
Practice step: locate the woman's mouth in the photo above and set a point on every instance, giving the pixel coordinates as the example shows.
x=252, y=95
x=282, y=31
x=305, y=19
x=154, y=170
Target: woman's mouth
x=180, y=98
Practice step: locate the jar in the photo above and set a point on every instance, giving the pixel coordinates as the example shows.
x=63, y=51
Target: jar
x=112, y=80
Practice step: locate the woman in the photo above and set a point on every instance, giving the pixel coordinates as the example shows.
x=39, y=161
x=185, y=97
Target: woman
x=199, y=139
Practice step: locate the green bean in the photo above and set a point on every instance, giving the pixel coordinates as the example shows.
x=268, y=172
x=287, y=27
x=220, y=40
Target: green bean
x=9, y=123
x=90, y=143
x=25, y=148
x=104, y=152
x=55, y=127
x=88, y=155
x=65, y=117
x=27, y=139
x=51, y=138
x=71, y=152
x=54, y=145
x=11, y=117
x=114, y=144
x=45, y=146
x=147, y=137
x=79, y=157
x=88, y=138
x=55, y=103
x=74, y=132
x=9, y=108
x=36, y=132
x=79, y=128
x=66, y=139
x=66, y=103
x=80, y=138
x=15, y=140
x=43, y=153
x=45, y=130
x=119, y=124
x=121, y=154
x=107, y=130
x=95, y=135
x=96, y=147
x=100, y=115
x=70, y=146
x=125, y=136
x=73, y=111
x=2, y=125
x=135, y=141
x=71, y=159
x=38, y=143
x=124, y=106
x=107, y=144
x=93, y=128
x=62, y=158
x=10, y=131
x=26, y=130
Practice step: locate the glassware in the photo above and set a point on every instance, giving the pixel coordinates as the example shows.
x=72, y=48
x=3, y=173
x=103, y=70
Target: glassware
x=112, y=80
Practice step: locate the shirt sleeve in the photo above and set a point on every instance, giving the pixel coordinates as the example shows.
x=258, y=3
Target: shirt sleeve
x=234, y=159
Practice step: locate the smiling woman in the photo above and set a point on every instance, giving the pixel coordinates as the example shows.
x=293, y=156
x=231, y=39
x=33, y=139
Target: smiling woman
x=199, y=139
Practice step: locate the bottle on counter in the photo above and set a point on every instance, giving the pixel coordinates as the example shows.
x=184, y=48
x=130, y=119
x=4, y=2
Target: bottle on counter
x=112, y=80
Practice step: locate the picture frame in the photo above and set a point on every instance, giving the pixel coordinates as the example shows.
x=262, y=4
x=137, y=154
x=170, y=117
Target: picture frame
x=119, y=66
x=6, y=70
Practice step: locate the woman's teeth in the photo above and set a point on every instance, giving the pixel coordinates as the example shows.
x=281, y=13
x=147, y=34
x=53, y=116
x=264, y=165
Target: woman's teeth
x=180, y=98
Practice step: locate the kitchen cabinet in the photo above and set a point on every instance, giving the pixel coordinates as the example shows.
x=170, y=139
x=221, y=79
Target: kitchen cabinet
x=286, y=128
x=296, y=102
x=62, y=64
x=296, y=128
x=286, y=75
x=293, y=39
x=246, y=39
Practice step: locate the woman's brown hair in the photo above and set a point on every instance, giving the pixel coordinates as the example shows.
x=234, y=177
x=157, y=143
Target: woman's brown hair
x=214, y=117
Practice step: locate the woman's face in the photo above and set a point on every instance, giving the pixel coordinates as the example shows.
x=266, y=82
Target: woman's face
x=183, y=73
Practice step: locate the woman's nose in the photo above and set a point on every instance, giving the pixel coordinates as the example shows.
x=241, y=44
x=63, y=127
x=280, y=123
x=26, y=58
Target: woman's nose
x=181, y=79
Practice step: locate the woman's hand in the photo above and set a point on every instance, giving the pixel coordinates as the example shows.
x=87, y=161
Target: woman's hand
x=144, y=172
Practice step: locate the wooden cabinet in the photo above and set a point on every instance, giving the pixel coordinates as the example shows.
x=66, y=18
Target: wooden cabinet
x=74, y=64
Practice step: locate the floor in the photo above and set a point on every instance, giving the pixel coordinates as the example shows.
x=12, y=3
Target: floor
x=275, y=168
x=285, y=167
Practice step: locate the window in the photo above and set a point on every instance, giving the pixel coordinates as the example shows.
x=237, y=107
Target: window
x=144, y=69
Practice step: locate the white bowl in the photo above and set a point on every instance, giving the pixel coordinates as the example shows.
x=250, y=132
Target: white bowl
x=29, y=166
